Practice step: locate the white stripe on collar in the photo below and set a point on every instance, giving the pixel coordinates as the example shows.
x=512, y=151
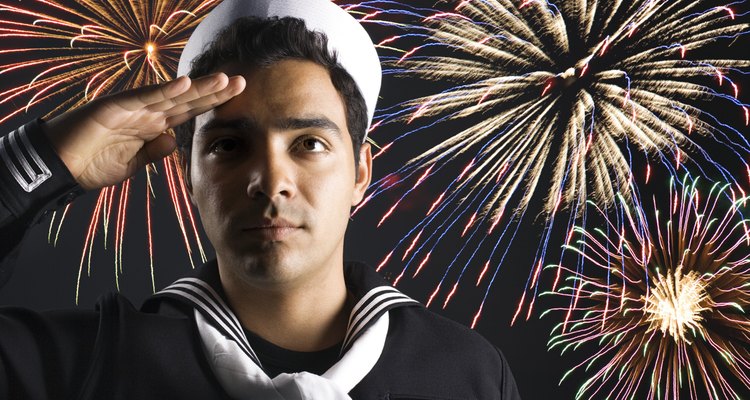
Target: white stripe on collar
x=214, y=307
x=370, y=306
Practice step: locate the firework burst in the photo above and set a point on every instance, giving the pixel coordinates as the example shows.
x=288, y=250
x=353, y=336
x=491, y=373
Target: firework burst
x=557, y=99
x=666, y=312
x=72, y=53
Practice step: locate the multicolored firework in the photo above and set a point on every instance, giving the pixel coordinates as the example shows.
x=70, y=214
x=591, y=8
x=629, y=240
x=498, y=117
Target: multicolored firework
x=74, y=52
x=666, y=315
x=556, y=99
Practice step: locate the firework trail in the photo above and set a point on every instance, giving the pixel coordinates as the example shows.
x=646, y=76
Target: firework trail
x=557, y=99
x=669, y=317
x=72, y=52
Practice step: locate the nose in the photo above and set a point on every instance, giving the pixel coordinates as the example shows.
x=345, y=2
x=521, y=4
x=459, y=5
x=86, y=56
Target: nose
x=271, y=174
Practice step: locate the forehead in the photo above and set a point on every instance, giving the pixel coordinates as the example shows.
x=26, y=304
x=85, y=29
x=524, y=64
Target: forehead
x=284, y=90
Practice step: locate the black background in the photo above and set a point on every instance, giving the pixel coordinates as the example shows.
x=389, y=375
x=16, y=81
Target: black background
x=46, y=275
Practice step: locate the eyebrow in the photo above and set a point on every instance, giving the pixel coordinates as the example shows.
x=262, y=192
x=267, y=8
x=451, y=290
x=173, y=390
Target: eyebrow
x=251, y=125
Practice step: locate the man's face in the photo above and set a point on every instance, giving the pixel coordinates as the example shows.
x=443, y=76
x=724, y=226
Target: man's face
x=272, y=174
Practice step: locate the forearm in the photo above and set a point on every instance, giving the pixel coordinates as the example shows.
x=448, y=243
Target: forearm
x=33, y=180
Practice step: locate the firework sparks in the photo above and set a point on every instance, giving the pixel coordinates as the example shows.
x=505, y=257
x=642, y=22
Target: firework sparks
x=75, y=52
x=666, y=312
x=560, y=93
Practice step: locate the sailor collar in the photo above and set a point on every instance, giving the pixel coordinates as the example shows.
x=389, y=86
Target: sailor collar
x=373, y=296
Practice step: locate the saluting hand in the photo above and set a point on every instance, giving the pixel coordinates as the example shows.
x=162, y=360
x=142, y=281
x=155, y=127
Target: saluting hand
x=109, y=139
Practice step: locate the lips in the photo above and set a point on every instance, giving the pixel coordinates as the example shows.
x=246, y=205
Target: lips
x=271, y=229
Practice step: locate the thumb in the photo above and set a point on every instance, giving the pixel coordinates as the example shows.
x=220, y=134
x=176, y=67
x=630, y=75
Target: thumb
x=154, y=150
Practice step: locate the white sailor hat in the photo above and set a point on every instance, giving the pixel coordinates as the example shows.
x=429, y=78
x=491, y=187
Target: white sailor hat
x=346, y=37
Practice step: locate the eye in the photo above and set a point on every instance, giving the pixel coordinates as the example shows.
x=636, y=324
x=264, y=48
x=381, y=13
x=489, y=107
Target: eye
x=224, y=145
x=311, y=144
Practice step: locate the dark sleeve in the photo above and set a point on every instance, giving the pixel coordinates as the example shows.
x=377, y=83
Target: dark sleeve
x=508, y=389
x=33, y=180
x=45, y=355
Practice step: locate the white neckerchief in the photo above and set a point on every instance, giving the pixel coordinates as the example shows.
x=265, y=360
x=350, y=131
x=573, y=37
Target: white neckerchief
x=244, y=379
x=239, y=371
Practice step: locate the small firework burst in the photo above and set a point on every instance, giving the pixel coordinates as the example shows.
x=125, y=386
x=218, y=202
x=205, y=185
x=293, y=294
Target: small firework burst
x=70, y=53
x=666, y=313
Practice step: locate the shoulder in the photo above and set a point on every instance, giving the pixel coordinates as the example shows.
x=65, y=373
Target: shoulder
x=429, y=356
x=437, y=330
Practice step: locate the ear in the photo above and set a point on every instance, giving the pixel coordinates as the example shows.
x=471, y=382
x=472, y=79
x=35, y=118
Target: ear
x=364, y=174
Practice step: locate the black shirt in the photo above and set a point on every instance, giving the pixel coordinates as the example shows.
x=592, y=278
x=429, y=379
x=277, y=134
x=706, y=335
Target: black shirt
x=278, y=360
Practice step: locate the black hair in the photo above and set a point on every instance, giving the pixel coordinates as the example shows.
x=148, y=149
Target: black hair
x=261, y=42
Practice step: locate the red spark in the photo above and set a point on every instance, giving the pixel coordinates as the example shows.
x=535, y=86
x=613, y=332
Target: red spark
x=398, y=278
x=546, y=88
x=537, y=270
x=496, y=221
x=389, y=40
x=729, y=10
x=408, y=53
x=502, y=172
x=450, y=295
x=606, y=44
x=466, y=169
x=476, y=316
x=411, y=247
x=632, y=30
x=385, y=261
x=362, y=204
x=388, y=214
x=471, y=222
x=463, y=3
x=421, y=110
x=370, y=15
x=569, y=237
x=432, y=296
x=422, y=264
x=484, y=271
x=518, y=309
x=382, y=150
x=435, y=203
x=372, y=128
x=485, y=40
x=485, y=95
x=424, y=176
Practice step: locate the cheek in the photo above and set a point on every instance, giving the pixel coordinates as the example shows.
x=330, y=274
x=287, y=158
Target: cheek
x=330, y=191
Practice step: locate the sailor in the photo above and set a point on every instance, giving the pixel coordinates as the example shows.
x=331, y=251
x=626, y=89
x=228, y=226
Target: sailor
x=271, y=116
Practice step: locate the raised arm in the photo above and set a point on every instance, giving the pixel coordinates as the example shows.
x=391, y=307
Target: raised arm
x=44, y=165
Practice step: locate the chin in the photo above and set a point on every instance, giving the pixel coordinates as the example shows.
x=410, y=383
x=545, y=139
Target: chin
x=269, y=270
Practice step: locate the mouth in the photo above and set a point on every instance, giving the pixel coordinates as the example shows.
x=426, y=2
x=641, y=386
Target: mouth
x=272, y=229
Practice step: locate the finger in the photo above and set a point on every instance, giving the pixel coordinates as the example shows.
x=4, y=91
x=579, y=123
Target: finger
x=199, y=88
x=140, y=98
x=184, y=117
x=235, y=86
x=154, y=150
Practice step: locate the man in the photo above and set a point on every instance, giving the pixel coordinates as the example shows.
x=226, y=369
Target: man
x=274, y=152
